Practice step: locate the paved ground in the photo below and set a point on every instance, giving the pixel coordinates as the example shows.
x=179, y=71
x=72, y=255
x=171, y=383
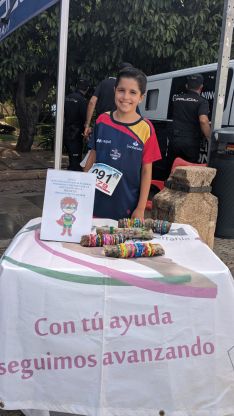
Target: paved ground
x=22, y=184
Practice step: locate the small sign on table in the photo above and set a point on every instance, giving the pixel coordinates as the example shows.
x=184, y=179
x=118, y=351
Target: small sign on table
x=68, y=205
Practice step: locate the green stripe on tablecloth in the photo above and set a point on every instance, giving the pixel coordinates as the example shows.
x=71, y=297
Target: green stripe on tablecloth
x=70, y=277
x=90, y=280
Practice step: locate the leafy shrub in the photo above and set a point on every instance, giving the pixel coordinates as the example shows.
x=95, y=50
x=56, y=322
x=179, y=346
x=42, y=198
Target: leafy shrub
x=12, y=121
x=46, y=136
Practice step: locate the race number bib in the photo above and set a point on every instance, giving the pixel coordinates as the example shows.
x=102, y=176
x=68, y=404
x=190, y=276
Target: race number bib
x=107, y=177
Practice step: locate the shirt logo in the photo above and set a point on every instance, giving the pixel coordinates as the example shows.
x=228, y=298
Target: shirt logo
x=114, y=154
x=185, y=99
x=105, y=141
x=134, y=146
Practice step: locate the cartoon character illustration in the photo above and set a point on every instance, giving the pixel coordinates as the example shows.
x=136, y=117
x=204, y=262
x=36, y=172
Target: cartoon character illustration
x=68, y=206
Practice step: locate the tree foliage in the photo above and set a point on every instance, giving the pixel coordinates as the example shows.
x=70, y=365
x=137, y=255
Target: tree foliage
x=154, y=35
x=28, y=70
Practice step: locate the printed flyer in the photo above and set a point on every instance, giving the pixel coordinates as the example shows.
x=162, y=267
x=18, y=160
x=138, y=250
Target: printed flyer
x=68, y=205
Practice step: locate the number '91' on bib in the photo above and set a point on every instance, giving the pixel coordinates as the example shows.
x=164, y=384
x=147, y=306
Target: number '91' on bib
x=107, y=177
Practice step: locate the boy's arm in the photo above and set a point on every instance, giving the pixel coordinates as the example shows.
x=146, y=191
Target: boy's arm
x=146, y=175
x=90, y=161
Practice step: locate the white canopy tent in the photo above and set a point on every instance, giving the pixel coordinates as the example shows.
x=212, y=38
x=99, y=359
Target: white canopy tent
x=62, y=64
x=222, y=70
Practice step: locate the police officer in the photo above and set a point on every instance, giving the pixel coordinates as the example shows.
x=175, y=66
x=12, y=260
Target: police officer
x=190, y=121
x=74, y=118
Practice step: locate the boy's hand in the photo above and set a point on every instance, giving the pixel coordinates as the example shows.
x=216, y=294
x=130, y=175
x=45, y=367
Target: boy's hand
x=138, y=213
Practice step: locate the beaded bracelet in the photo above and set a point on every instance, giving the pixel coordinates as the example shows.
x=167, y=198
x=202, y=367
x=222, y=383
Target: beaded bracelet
x=99, y=240
x=102, y=239
x=131, y=233
x=116, y=230
x=128, y=250
x=158, y=226
x=131, y=222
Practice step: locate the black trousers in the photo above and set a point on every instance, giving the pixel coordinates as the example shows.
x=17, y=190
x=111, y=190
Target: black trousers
x=73, y=142
x=184, y=147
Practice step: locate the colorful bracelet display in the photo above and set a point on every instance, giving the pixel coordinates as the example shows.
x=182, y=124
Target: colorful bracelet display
x=131, y=223
x=113, y=230
x=140, y=233
x=100, y=239
x=130, y=250
x=157, y=226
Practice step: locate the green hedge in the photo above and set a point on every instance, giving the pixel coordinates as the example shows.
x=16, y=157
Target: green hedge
x=45, y=134
x=45, y=130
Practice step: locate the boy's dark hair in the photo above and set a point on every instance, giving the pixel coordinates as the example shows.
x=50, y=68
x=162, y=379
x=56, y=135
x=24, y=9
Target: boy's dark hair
x=135, y=73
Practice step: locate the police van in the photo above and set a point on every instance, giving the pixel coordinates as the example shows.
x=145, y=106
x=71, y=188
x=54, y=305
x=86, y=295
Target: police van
x=157, y=104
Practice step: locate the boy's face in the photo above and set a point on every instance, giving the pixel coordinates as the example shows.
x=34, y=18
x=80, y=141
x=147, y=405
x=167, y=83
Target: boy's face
x=127, y=95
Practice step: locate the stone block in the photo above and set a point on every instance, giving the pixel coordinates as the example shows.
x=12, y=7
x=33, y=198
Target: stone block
x=193, y=176
x=194, y=207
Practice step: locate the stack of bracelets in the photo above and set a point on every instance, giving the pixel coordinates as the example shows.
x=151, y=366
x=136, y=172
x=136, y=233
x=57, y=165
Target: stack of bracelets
x=101, y=239
x=128, y=250
x=157, y=226
x=131, y=222
x=108, y=230
x=140, y=233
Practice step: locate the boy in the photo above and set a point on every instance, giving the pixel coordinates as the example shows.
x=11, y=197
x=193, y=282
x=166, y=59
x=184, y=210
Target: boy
x=125, y=141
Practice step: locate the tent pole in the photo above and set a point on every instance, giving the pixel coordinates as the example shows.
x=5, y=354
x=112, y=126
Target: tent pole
x=222, y=69
x=62, y=62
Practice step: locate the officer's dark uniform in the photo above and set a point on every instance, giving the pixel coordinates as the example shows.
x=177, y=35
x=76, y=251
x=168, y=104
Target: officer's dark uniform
x=185, y=143
x=105, y=93
x=74, y=118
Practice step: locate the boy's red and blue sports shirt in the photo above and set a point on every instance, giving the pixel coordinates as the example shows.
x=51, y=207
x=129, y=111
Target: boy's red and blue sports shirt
x=125, y=147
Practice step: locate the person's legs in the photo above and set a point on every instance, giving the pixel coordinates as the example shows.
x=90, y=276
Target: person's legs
x=69, y=231
x=190, y=153
x=173, y=151
x=184, y=148
x=75, y=154
x=73, y=141
x=64, y=231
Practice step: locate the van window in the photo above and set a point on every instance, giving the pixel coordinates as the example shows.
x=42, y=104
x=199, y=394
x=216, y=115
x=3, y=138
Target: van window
x=178, y=86
x=152, y=100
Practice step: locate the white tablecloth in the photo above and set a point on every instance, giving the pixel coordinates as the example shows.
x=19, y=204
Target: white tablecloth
x=86, y=334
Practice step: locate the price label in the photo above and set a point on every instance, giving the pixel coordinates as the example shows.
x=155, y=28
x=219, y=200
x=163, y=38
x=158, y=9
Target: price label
x=107, y=177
